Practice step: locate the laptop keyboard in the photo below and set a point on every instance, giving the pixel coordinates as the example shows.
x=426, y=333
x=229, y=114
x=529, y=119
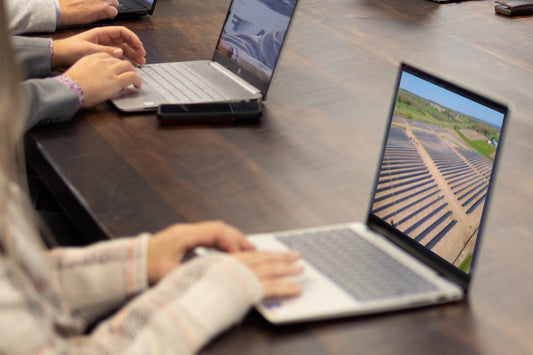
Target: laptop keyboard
x=360, y=268
x=177, y=83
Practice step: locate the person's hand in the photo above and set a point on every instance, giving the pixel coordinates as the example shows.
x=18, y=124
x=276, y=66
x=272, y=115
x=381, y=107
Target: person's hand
x=117, y=41
x=100, y=76
x=79, y=12
x=167, y=247
x=273, y=269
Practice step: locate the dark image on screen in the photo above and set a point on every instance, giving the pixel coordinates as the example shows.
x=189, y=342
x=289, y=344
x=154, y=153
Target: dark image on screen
x=254, y=33
x=436, y=168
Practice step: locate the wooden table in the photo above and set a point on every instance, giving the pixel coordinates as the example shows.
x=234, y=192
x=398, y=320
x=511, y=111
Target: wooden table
x=312, y=159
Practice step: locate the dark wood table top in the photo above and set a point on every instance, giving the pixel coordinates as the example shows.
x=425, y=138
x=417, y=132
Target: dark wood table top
x=312, y=159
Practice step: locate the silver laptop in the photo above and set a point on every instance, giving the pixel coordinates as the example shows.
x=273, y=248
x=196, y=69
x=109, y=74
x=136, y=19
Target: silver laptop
x=241, y=68
x=422, y=236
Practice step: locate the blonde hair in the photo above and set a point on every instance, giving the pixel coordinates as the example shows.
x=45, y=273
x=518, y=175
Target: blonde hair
x=16, y=214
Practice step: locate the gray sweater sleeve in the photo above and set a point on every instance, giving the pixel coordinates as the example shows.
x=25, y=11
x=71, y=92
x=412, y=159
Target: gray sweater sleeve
x=48, y=101
x=26, y=16
x=33, y=55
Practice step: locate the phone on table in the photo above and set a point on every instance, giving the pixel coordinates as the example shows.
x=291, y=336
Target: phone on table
x=514, y=8
x=210, y=113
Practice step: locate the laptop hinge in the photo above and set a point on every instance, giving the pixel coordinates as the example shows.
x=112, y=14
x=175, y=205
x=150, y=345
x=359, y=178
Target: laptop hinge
x=235, y=78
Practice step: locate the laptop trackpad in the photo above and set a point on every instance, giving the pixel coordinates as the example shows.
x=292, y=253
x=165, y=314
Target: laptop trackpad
x=316, y=289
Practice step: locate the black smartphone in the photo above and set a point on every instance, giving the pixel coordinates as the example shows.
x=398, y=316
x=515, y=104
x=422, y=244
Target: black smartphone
x=514, y=8
x=218, y=112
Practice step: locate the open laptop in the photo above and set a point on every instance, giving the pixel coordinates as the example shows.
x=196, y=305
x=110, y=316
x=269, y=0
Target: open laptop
x=422, y=235
x=241, y=68
x=132, y=8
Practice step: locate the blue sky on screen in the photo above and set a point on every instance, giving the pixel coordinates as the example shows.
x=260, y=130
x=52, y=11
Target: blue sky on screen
x=449, y=99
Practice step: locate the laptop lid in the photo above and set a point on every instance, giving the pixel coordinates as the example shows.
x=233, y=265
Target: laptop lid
x=131, y=8
x=252, y=37
x=436, y=171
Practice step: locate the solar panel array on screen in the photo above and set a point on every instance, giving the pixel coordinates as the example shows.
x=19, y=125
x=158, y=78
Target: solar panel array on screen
x=432, y=186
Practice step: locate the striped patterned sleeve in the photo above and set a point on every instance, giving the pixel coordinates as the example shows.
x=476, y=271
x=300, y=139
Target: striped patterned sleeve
x=186, y=309
x=178, y=316
x=96, y=279
x=26, y=322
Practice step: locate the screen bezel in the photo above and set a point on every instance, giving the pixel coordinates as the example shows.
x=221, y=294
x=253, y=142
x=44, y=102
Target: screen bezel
x=152, y=7
x=432, y=259
x=257, y=81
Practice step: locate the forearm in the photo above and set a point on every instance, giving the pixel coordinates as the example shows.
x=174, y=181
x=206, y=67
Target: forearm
x=178, y=316
x=48, y=101
x=96, y=279
x=187, y=308
x=27, y=16
x=34, y=56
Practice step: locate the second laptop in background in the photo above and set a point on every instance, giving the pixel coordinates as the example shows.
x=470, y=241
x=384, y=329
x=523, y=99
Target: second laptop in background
x=241, y=67
x=133, y=8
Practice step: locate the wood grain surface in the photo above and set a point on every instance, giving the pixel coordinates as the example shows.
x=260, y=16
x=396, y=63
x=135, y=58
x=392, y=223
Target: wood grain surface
x=313, y=157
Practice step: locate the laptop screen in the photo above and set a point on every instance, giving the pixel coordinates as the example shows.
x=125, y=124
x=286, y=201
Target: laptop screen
x=253, y=34
x=436, y=168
